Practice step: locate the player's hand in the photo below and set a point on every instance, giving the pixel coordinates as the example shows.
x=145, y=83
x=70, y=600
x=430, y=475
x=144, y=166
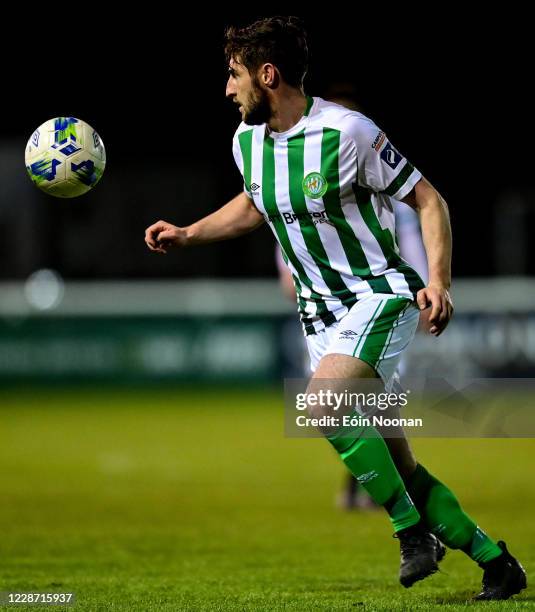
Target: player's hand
x=438, y=298
x=162, y=235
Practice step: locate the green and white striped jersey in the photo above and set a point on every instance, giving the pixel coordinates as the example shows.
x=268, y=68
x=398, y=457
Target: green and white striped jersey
x=325, y=188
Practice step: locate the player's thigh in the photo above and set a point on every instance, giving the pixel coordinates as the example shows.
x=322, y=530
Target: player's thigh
x=338, y=366
x=331, y=377
x=331, y=371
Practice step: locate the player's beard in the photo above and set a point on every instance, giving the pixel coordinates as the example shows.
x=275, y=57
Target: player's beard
x=258, y=110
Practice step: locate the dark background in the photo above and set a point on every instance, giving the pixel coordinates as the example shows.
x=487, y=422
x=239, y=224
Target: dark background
x=451, y=91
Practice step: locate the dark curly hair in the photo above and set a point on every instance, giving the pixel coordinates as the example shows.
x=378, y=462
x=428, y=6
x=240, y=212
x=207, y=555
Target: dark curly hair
x=281, y=41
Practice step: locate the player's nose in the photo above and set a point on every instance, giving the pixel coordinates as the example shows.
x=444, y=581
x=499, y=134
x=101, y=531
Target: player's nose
x=230, y=89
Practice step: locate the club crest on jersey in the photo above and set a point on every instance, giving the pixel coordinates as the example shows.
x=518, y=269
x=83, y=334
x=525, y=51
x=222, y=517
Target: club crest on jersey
x=315, y=185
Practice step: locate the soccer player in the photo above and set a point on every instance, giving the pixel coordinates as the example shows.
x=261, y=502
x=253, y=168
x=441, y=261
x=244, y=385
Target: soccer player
x=322, y=177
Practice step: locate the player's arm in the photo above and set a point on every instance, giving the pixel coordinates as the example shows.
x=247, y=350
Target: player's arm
x=436, y=233
x=237, y=217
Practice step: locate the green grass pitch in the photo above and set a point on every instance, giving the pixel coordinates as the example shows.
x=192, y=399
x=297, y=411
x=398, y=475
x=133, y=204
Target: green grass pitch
x=167, y=499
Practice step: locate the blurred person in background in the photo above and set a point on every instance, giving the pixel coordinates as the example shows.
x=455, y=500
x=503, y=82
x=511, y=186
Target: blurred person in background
x=323, y=178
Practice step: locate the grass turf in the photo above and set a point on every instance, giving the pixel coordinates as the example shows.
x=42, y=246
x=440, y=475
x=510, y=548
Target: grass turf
x=171, y=499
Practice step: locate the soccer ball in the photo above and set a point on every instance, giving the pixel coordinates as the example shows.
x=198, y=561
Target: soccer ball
x=65, y=157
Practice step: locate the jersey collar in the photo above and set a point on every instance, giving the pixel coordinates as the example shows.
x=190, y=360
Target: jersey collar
x=298, y=127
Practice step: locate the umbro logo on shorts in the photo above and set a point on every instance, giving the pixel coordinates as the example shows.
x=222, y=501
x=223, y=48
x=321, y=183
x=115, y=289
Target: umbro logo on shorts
x=348, y=334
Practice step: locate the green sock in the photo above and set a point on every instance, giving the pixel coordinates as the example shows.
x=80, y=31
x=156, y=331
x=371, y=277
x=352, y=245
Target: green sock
x=446, y=519
x=366, y=455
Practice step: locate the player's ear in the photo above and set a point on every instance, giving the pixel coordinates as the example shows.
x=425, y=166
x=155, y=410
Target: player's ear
x=269, y=75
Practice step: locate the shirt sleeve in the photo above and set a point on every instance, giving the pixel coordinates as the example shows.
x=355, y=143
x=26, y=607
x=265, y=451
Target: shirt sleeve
x=238, y=158
x=381, y=167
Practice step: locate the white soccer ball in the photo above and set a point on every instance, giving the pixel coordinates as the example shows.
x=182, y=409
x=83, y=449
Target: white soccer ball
x=65, y=157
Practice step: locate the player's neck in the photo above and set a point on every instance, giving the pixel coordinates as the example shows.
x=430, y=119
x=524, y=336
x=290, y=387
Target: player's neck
x=287, y=110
